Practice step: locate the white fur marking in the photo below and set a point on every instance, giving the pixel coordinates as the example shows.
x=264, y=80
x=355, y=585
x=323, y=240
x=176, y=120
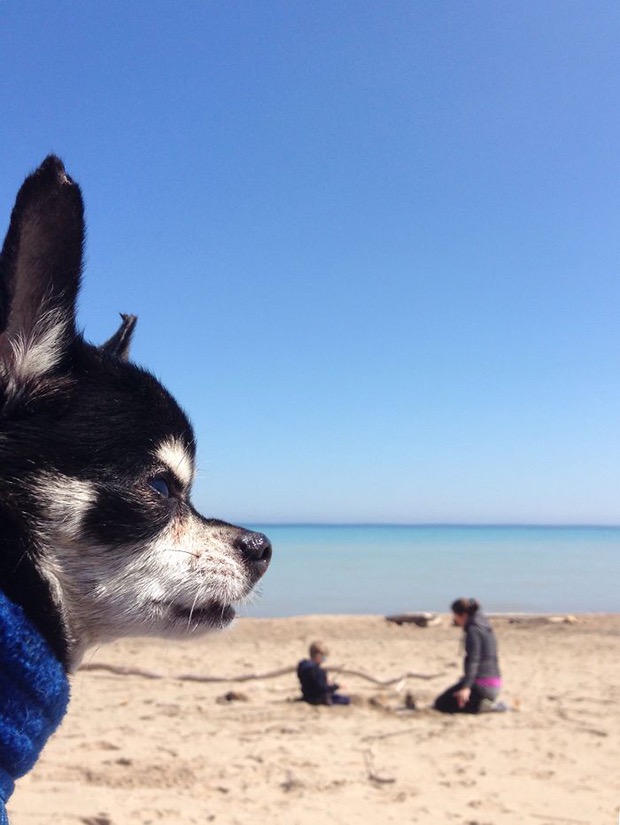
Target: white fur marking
x=173, y=454
x=39, y=353
x=67, y=500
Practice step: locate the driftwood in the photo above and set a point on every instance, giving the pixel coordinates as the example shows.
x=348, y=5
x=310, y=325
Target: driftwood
x=410, y=674
x=419, y=619
x=121, y=670
x=376, y=736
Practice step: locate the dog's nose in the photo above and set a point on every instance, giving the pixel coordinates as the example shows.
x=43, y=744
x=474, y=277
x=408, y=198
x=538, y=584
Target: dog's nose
x=255, y=547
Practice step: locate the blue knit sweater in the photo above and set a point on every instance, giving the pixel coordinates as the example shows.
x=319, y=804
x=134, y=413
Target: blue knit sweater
x=34, y=692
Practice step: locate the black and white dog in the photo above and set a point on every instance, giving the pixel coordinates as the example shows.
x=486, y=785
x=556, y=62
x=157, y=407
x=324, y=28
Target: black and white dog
x=98, y=538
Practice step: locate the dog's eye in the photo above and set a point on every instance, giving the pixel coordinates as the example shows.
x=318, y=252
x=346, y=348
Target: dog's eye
x=160, y=484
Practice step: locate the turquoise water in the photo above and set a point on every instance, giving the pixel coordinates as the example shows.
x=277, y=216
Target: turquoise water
x=390, y=569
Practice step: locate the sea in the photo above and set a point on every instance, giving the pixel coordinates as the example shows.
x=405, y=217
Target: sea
x=386, y=569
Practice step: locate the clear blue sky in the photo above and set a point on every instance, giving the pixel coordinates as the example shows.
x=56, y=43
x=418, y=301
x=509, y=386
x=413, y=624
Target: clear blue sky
x=374, y=246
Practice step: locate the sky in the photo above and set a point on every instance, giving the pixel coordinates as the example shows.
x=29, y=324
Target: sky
x=374, y=247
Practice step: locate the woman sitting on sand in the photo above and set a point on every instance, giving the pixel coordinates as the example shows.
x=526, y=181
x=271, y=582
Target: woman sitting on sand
x=480, y=685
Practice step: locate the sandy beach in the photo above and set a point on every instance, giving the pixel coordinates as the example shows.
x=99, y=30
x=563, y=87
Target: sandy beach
x=139, y=750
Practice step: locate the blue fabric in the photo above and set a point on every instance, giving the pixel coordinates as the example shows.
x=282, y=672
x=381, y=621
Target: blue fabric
x=34, y=693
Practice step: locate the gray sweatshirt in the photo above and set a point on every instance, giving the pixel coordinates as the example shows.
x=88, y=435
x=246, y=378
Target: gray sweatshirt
x=480, y=650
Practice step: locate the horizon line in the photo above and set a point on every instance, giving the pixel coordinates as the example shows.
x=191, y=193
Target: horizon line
x=455, y=524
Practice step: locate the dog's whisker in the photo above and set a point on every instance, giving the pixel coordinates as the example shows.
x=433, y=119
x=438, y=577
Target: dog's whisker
x=191, y=612
x=182, y=550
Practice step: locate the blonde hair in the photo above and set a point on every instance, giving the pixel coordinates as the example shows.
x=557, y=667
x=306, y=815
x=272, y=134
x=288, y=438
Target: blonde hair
x=318, y=648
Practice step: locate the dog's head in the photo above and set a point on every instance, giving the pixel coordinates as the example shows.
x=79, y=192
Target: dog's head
x=98, y=537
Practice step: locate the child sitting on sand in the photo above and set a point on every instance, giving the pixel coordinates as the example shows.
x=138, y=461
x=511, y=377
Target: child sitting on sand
x=316, y=689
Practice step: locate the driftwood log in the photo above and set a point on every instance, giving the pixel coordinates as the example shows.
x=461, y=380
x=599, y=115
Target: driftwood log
x=419, y=619
x=121, y=670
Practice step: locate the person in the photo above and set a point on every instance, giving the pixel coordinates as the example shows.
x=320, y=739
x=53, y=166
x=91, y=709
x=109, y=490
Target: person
x=479, y=687
x=316, y=689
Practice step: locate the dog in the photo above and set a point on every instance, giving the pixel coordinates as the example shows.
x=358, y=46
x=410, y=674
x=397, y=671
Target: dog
x=98, y=536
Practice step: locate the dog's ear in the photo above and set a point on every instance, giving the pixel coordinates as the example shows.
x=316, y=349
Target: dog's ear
x=40, y=268
x=118, y=345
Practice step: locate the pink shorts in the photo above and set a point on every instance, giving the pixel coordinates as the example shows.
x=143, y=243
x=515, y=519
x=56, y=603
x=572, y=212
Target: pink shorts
x=490, y=682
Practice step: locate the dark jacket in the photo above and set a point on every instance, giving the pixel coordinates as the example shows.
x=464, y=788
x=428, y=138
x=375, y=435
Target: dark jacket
x=315, y=688
x=480, y=651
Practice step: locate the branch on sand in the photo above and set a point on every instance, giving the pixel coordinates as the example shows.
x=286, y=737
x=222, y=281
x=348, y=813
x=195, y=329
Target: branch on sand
x=121, y=670
x=373, y=776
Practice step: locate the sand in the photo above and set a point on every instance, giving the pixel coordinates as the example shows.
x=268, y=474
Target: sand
x=135, y=750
